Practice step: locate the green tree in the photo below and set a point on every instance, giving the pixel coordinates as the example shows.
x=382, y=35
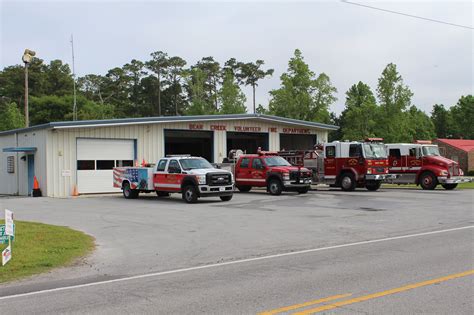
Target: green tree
x=261, y=110
x=420, y=125
x=199, y=101
x=463, y=117
x=231, y=96
x=394, y=98
x=302, y=95
x=250, y=73
x=158, y=64
x=11, y=117
x=442, y=121
x=175, y=74
x=58, y=79
x=359, y=118
x=212, y=72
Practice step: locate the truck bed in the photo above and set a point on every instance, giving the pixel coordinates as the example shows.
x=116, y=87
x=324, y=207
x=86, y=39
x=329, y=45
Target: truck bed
x=139, y=177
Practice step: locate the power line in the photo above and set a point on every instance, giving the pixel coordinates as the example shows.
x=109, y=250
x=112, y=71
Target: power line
x=409, y=15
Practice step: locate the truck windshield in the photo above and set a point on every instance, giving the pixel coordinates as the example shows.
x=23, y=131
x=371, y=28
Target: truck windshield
x=431, y=150
x=276, y=161
x=191, y=164
x=375, y=151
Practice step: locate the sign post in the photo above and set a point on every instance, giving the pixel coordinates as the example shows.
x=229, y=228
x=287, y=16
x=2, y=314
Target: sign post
x=9, y=231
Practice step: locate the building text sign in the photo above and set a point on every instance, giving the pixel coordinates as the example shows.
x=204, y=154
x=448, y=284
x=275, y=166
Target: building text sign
x=302, y=131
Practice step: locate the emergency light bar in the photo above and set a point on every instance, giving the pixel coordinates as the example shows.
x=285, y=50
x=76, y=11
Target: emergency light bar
x=423, y=142
x=374, y=140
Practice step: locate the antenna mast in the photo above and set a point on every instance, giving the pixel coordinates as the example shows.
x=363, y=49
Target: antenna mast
x=74, y=109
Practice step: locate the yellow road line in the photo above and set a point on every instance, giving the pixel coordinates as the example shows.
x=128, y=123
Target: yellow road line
x=293, y=307
x=384, y=293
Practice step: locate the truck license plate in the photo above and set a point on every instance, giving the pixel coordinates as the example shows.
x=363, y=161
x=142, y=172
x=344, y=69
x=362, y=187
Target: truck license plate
x=221, y=188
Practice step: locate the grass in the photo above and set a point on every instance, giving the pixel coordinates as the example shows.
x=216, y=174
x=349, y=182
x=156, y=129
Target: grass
x=41, y=247
x=460, y=186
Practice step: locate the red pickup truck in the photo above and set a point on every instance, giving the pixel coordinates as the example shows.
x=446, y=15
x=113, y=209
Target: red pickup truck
x=267, y=169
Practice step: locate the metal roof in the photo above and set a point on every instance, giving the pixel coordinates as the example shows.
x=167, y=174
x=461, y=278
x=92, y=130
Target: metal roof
x=165, y=119
x=20, y=149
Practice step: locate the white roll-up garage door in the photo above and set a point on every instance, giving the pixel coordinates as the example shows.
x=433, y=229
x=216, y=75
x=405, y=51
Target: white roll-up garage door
x=95, y=160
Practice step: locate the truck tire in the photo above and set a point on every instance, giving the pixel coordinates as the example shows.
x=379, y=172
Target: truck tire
x=226, y=198
x=373, y=185
x=128, y=192
x=303, y=190
x=162, y=194
x=428, y=181
x=275, y=187
x=190, y=194
x=348, y=182
x=449, y=186
x=244, y=188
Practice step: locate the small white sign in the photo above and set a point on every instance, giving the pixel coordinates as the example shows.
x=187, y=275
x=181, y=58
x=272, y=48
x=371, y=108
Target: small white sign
x=66, y=173
x=9, y=223
x=6, y=255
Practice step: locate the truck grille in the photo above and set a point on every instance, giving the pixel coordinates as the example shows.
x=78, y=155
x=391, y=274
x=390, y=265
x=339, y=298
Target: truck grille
x=219, y=179
x=297, y=175
x=453, y=170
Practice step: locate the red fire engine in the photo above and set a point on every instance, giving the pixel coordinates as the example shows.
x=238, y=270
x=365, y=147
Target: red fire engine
x=420, y=163
x=345, y=164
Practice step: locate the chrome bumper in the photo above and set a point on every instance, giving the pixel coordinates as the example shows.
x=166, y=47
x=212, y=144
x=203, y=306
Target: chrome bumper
x=304, y=183
x=380, y=176
x=454, y=180
x=216, y=190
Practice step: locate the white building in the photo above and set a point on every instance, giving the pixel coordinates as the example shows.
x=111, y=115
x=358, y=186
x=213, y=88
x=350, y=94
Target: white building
x=64, y=155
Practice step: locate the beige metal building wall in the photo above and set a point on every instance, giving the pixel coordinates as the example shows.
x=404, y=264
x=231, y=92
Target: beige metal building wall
x=17, y=183
x=61, y=144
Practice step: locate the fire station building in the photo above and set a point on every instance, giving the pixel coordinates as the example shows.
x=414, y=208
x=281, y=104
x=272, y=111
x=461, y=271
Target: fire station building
x=81, y=154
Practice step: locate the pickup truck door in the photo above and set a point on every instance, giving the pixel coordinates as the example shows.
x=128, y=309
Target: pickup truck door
x=242, y=171
x=258, y=173
x=173, y=176
x=160, y=175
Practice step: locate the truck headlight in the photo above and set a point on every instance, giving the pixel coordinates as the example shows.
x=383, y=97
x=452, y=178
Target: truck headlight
x=443, y=173
x=201, y=179
x=286, y=176
x=369, y=171
x=461, y=173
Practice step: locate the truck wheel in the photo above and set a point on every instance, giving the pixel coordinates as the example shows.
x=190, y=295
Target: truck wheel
x=348, y=182
x=244, y=188
x=373, y=185
x=449, y=186
x=428, y=181
x=303, y=190
x=128, y=192
x=226, y=198
x=190, y=194
x=162, y=194
x=275, y=187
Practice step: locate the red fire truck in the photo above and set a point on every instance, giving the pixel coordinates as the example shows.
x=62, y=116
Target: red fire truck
x=267, y=169
x=193, y=177
x=421, y=163
x=345, y=164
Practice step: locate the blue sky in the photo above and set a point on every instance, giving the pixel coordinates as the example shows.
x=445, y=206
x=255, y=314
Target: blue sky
x=347, y=42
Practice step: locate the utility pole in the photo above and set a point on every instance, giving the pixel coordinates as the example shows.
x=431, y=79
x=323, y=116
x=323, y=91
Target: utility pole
x=27, y=56
x=74, y=108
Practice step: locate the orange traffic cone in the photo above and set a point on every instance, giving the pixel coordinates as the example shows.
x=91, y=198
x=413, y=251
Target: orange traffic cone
x=75, y=193
x=36, y=189
x=143, y=163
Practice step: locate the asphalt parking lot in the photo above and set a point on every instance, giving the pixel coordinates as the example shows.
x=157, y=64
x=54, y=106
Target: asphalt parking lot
x=151, y=234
